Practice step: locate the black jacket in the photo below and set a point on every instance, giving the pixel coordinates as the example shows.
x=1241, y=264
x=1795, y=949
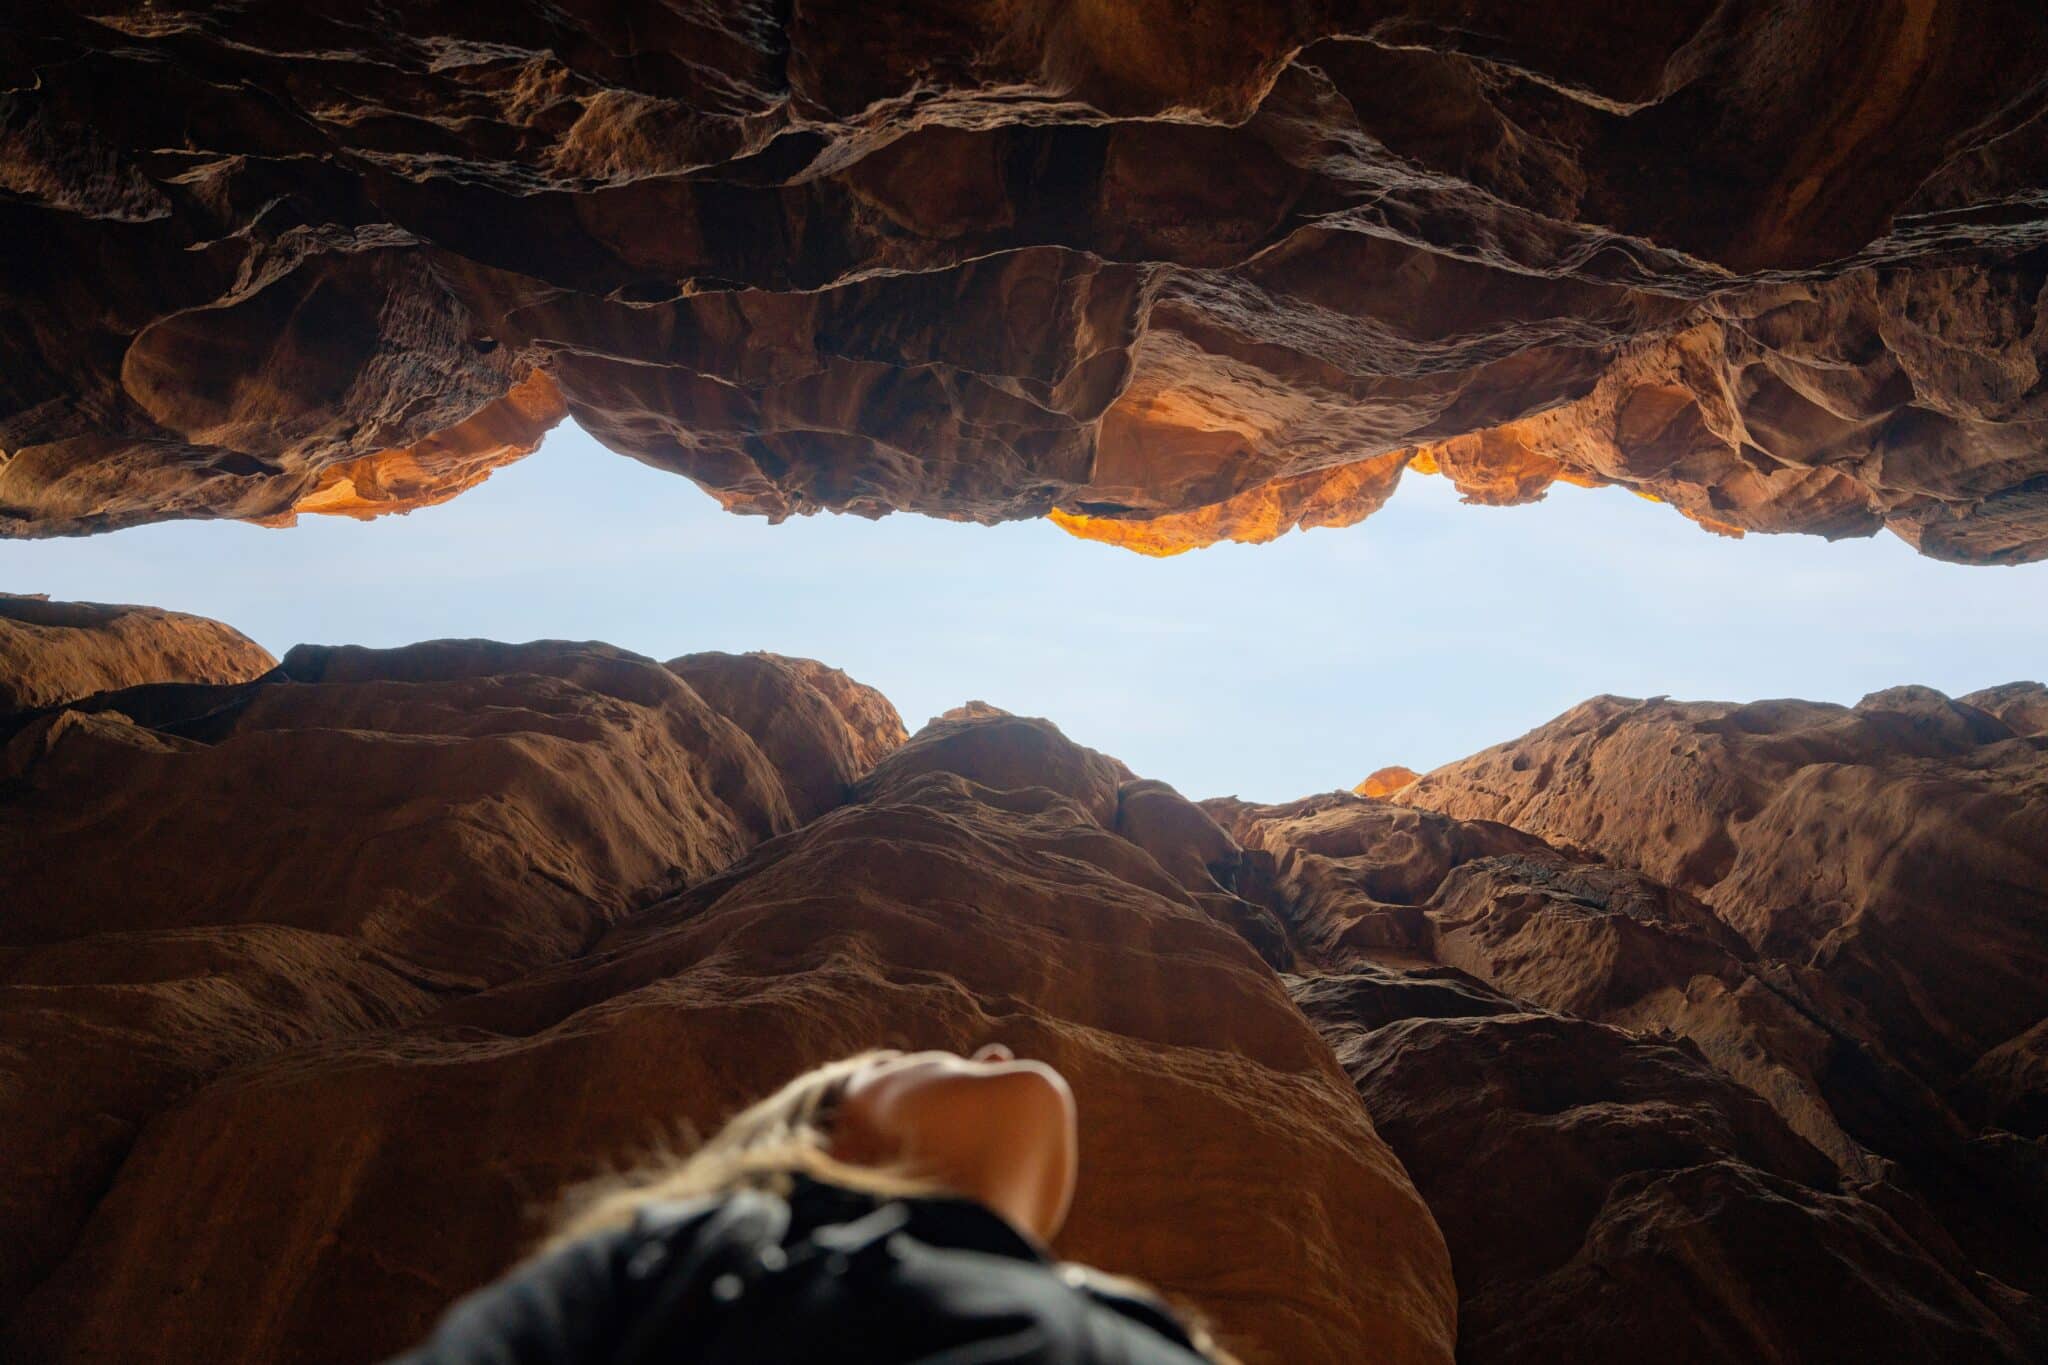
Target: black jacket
x=827, y=1275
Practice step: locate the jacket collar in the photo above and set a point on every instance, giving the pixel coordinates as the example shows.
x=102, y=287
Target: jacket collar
x=935, y=1219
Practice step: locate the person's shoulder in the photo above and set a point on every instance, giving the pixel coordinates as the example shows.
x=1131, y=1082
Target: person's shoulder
x=1127, y=1298
x=556, y=1306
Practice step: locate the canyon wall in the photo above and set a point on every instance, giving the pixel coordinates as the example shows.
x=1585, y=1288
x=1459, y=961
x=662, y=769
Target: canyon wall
x=317, y=987
x=1711, y=1026
x=1167, y=273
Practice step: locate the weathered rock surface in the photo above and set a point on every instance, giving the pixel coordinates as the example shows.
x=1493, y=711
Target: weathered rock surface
x=1898, y=847
x=1886, y=868
x=53, y=652
x=328, y=851
x=2008, y=1087
x=1602, y=1192
x=1168, y=273
x=1829, y=909
x=302, y=972
x=516, y=933
x=2021, y=705
x=820, y=729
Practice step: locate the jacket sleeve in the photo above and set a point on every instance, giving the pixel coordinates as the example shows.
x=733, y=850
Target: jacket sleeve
x=563, y=1308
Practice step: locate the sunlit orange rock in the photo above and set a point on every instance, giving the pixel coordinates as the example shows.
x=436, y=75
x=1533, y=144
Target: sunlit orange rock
x=1342, y=496
x=439, y=467
x=1386, y=781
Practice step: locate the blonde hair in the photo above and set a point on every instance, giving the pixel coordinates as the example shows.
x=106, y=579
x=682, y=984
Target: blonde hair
x=763, y=1147
x=760, y=1148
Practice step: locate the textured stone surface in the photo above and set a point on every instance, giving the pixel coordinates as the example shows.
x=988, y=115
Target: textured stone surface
x=1601, y=1191
x=1715, y=1026
x=464, y=994
x=1899, y=847
x=1170, y=273
x=1883, y=865
x=2021, y=705
x=53, y=652
x=184, y=899
x=821, y=730
x=2009, y=1084
x=1837, y=915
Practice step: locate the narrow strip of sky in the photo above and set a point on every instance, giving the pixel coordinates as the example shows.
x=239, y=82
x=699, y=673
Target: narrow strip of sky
x=1271, y=671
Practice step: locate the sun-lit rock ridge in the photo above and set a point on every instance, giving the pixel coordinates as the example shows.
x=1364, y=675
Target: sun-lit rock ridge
x=55, y=652
x=1716, y=1026
x=1167, y=273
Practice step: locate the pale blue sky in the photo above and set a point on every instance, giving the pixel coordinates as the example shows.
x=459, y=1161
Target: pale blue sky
x=1269, y=671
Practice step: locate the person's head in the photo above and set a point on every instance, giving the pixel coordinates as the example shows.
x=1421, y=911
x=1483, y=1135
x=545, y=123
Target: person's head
x=900, y=1125
x=989, y=1126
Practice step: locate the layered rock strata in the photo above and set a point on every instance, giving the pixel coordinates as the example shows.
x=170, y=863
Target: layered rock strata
x=1169, y=274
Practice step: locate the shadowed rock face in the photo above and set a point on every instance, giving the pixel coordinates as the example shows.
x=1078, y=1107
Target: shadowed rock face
x=547, y=904
x=1836, y=838
x=1835, y=913
x=1168, y=273
x=202, y=877
x=313, y=988
x=1593, y=1185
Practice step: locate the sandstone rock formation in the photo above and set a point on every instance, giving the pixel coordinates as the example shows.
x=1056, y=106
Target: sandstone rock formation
x=201, y=877
x=315, y=987
x=547, y=904
x=2021, y=705
x=1168, y=273
x=1886, y=869
x=1653, y=1201
x=1833, y=837
x=1868, y=990
x=53, y=652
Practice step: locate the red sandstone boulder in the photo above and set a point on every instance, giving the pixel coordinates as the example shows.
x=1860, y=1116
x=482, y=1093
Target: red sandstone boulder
x=803, y=717
x=2021, y=705
x=1005, y=752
